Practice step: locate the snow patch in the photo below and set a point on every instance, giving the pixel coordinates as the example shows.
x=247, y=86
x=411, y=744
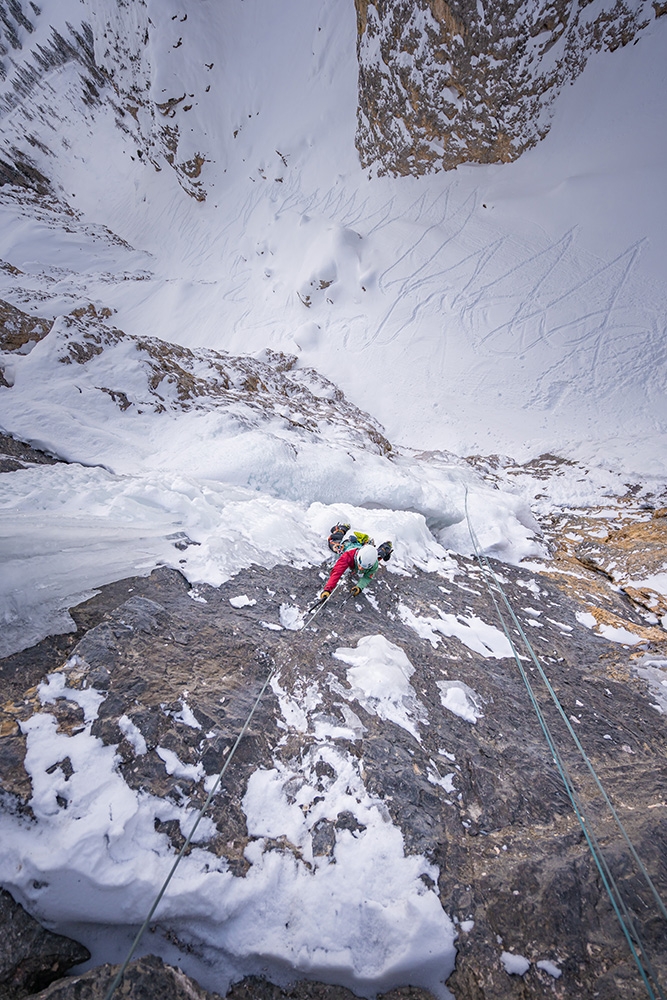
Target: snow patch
x=461, y=700
x=242, y=601
x=474, y=633
x=379, y=679
x=514, y=965
x=375, y=930
x=549, y=967
x=174, y=765
x=133, y=735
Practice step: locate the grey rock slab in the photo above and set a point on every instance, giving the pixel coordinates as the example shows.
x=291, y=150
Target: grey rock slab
x=484, y=801
x=31, y=957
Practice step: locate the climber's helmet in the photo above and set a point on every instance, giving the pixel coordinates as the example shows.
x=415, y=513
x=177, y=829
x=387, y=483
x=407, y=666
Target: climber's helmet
x=366, y=557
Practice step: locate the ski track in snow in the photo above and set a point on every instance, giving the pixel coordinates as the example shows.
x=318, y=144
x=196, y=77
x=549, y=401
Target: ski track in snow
x=479, y=330
x=490, y=296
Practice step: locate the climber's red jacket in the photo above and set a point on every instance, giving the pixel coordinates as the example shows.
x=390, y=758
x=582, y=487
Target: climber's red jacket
x=344, y=561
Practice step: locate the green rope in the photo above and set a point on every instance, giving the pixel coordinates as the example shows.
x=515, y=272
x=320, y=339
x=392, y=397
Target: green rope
x=135, y=943
x=624, y=917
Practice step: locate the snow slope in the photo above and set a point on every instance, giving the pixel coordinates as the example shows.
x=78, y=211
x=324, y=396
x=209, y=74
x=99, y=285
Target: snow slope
x=490, y=309
x=515, y=309
x=367, y=920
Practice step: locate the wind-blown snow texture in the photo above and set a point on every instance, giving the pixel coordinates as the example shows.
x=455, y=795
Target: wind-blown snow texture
x=201, y=188
x=515, y=309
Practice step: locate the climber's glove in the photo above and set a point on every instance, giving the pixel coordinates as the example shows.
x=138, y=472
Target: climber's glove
x=355, y=591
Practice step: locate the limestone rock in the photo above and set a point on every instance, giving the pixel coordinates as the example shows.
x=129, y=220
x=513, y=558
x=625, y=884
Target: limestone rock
x=443, y=83
x=169, y=377
x=30, y=956
x=491, y=813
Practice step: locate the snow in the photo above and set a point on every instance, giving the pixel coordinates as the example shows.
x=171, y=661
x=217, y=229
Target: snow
x=549, y=967
x=186, y=716
x=619, y=634
x=472, y=281
x=133, y=735
x=297, y=706
x=613, y=633
x=461, y=700
x=474, y=633
x=653, y=581
x=514, y=965
x=102, y=855
x=366, y=925
x=68, y=529
x=291, y=617
x=445, y=781
x=55, y=687
x=173, y=765
x=242, y=601
x=511, y=310
x=379, y=679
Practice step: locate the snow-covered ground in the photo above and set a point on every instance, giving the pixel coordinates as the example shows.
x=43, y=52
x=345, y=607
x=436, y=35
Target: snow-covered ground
x=367, y=921
x=517, y=309
x=514, y=309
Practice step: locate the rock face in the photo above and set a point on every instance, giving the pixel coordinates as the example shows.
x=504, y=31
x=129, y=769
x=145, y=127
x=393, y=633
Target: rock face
x=447, y=83
x=30, y=956
x=145, y=979
x=16, y=455
x=167, y=377
x=476, y=793
x=629, y=554
x=439, y=83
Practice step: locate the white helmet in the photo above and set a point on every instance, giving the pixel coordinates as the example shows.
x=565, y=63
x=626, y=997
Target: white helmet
x=366, y=557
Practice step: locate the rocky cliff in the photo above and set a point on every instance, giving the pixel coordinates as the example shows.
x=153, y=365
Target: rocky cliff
x=459, y=765
x=442, y=84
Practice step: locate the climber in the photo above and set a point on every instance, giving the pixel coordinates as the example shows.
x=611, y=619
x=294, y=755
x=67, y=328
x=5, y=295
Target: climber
x=357, y=552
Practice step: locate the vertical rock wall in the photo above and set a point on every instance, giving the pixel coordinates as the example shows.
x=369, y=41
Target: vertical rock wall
x=473, y=80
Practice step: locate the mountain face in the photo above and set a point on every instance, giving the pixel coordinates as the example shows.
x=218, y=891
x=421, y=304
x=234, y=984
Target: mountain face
x=164, y=377
x=146, y=127
x=107, y=51
x=441, y=84
x=221, y=332
x=395, y=727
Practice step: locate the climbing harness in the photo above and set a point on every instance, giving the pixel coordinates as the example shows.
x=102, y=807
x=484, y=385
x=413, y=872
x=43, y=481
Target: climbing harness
x=228, y=760
x=628, y=926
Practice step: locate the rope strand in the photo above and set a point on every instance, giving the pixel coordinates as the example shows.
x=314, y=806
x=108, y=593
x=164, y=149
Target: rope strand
x=628, y=927
x=139, y=935
x=135, y=943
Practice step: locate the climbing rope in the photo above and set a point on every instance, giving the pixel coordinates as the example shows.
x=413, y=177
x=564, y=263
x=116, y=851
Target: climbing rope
x=135, y=943
x=628, y=926
x=313, y=610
